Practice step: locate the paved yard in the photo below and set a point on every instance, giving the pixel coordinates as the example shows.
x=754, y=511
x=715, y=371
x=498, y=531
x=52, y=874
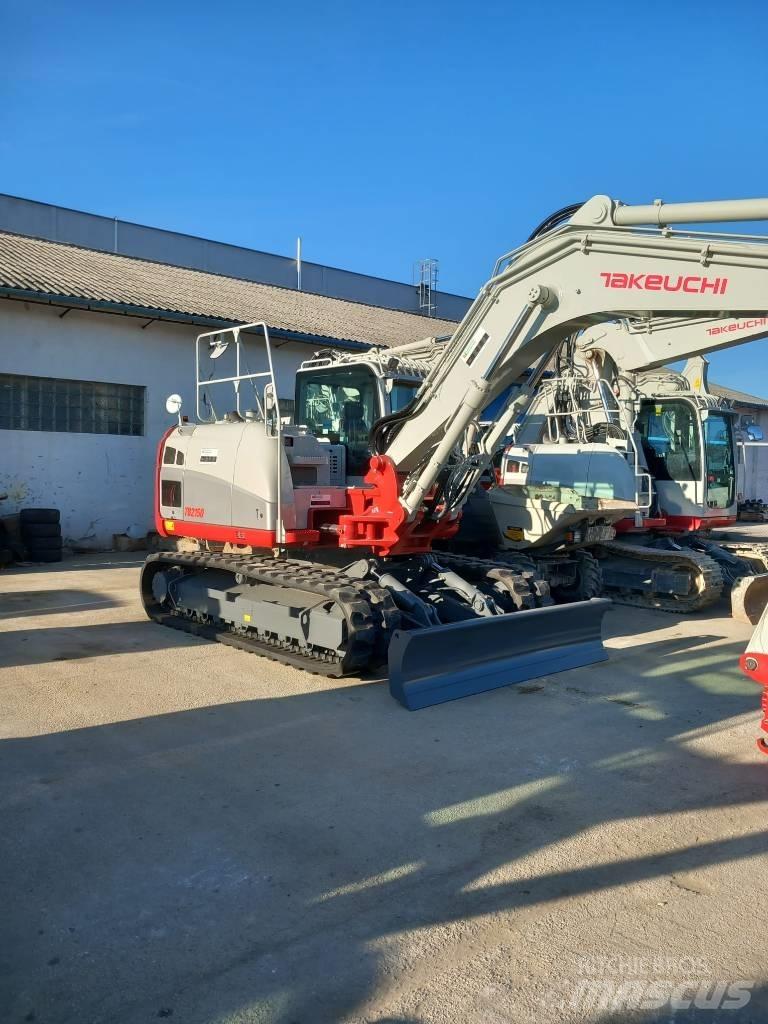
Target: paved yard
x=193, y=833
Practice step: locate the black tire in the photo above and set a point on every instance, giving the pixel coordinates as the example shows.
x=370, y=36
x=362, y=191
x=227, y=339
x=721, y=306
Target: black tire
x=31, y=531
x=36, y=555
x=44, y=544
x=39, y=515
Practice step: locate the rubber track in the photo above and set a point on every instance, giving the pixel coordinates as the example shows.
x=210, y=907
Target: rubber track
x=709, y=578
x=743, y=549
x=369, y=610
x=525, y=588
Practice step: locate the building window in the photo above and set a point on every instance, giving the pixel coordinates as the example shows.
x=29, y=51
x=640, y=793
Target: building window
x=70, y=406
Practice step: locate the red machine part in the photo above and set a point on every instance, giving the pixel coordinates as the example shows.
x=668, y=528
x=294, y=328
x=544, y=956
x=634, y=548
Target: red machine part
x=675, y=524
x=756, y=667
x=376, y=519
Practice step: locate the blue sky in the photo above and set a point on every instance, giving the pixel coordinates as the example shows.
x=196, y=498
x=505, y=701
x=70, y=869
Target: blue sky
x=384, y=132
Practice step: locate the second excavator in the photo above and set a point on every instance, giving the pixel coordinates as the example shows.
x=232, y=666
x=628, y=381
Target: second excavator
x=612, y=388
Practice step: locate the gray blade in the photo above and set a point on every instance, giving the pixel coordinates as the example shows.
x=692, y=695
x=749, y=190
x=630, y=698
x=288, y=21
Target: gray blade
x=440, y=663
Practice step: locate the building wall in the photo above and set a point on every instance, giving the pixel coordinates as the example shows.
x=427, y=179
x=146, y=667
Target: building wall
x=101, y=482
x=59, y=224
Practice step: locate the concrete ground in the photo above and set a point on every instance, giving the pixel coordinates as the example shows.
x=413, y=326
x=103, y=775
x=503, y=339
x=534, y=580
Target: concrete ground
x=194, y=833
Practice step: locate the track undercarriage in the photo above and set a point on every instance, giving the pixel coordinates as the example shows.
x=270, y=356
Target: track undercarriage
x=686, y=574
x=441, y=624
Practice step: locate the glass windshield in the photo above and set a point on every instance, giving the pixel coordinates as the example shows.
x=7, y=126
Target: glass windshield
x=340, y=403
x=669, y=432
x=402, y=393
x=718, y=449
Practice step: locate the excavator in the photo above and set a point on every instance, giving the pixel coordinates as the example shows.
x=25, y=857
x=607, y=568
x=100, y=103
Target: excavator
x=382, y=457
x=679, y=441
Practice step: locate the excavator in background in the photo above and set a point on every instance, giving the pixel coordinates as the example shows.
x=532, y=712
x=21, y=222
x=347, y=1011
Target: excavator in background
x=383, y=456
x=612, y=387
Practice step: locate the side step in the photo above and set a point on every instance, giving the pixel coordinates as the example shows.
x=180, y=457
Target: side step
x=440, y=663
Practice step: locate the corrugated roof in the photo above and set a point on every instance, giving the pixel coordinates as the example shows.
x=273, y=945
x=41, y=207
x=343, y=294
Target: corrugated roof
x=86, y=275
x=738, y=397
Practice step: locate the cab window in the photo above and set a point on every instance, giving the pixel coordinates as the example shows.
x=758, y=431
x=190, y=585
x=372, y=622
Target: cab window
x=669, y=431
x=340, y=403
x=403, y=392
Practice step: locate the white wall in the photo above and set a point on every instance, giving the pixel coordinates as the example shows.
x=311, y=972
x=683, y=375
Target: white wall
x=101, y=482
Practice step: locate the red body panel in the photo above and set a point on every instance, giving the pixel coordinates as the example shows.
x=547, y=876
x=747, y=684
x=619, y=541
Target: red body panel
x=687, y=524
x=675, y=524
x=158, y=466
x=628, y=525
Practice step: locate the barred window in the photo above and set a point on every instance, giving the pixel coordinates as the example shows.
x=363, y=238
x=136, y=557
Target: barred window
x=71, y=406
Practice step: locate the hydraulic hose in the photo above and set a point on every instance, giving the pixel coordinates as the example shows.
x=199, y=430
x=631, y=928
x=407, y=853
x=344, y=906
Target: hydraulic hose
x=552, y=221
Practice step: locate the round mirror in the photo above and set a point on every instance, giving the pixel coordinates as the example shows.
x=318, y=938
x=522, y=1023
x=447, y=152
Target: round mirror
x=173, y=404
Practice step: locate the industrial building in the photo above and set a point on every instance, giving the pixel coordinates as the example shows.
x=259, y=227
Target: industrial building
x=97, y=325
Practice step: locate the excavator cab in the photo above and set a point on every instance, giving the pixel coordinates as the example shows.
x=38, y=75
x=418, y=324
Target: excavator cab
x=689, y=449
x=340, y=402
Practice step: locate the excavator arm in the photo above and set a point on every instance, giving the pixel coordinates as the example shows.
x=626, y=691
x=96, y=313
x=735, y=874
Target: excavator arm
x=599, y=268
x=637, y=345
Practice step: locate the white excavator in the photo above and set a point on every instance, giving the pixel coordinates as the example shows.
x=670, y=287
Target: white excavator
x=314, y=541
x=614, y=404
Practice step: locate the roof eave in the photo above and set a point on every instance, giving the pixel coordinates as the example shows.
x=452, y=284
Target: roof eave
x=149, y=312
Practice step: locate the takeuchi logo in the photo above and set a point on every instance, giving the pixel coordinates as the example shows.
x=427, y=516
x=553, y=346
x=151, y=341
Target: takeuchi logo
x=692, y=284
x=739, y=325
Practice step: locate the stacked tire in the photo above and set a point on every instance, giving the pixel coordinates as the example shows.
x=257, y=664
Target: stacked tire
x=41, y=533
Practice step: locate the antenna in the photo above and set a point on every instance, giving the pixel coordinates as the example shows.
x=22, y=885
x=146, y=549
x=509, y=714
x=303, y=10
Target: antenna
x=425, y=274
x=298, y=263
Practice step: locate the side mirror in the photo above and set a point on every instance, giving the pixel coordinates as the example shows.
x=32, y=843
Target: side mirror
x=173, y=406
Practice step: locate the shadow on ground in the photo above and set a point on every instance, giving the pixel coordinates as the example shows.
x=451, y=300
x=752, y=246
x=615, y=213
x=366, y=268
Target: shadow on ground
x=249, y=861
x=55, y=601
x=71, y=643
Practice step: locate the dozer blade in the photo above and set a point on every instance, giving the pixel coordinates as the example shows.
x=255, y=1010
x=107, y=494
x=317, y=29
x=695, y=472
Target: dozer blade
x=749, y=598
x=439, y=663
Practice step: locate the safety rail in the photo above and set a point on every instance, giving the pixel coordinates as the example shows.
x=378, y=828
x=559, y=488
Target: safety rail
x=269, y=409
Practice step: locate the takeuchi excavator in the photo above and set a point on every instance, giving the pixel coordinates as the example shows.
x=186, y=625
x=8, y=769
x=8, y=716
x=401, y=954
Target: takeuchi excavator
x=668, y=449
x=315, y=541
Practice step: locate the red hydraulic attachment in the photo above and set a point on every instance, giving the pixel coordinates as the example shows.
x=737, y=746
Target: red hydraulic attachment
x=756, y=667
x=376, y=519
